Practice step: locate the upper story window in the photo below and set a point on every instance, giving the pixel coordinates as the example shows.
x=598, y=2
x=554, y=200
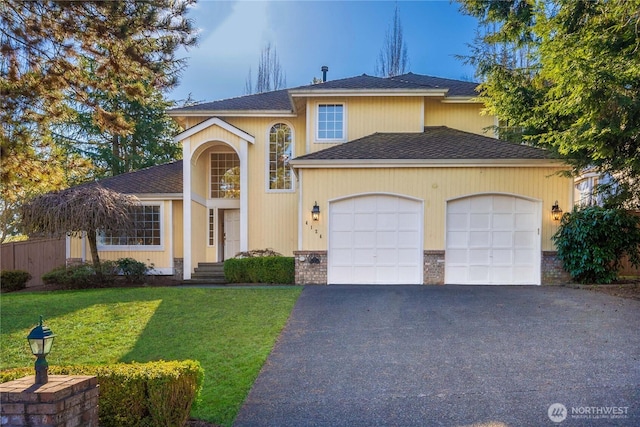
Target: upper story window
x=146, y=229
x=225, y=175
x=280, y=150
x=330, y=126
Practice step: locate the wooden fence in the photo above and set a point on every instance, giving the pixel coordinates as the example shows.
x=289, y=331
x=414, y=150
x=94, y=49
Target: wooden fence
x=35, y=256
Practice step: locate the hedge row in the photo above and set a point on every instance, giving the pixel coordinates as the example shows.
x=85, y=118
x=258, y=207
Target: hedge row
x=137, y=394
x=279, y=270
x=13, y=280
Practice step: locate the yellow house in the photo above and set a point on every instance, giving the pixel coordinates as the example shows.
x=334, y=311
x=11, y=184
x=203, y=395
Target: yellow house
x=363, y=180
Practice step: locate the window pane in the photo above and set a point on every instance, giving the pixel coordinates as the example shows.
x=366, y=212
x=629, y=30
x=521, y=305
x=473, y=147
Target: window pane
x=280, y=151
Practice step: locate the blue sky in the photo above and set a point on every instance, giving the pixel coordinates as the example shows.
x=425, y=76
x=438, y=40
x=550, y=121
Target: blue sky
x=347, y=36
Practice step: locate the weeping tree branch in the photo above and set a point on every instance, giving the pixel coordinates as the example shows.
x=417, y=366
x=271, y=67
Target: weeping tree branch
x=87, y=208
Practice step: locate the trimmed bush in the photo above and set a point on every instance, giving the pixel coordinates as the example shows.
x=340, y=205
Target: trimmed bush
x=137, y=394
x=83, y=276
x=13, y=280
x=592, y=241
x=279, y=270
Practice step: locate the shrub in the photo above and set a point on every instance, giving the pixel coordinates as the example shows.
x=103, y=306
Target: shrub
x=13, y=280
x=133, y=271
x=592, y=241
x=137, y=394
x=82, y=276
x=260, y=270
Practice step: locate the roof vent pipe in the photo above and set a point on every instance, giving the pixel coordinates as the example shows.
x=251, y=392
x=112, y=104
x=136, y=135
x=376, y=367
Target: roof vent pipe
x=324, y=70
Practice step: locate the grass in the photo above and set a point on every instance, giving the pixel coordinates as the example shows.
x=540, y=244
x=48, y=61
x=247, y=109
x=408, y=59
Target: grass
x=229, y=331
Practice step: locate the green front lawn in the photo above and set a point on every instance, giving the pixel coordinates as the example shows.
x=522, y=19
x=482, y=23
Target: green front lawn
x=229, y=331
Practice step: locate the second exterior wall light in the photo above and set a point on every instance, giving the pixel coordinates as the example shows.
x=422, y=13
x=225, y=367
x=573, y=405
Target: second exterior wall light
x=556, y=212
x=315, y=212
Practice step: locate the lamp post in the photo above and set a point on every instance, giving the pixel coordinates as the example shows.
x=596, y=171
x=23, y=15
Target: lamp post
x=40, y=340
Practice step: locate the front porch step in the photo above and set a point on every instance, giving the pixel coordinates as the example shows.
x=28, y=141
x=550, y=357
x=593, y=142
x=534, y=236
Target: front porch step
x=208, y=272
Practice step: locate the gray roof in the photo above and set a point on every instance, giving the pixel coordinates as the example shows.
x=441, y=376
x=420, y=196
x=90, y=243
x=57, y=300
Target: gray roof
x=279, y=100
x=161, y=179
x=435, y=143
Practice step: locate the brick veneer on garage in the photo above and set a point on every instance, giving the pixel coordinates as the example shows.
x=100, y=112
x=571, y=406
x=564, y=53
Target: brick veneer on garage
x=310, y=272
x=65, y=401
x=311, y=267
x=552, y=271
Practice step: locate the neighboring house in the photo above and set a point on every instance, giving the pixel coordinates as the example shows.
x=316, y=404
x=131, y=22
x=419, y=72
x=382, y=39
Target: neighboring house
x=407, y=183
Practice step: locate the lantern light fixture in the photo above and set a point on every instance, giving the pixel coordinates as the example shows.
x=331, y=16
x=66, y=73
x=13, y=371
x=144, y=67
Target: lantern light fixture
x=41, y=340
x=556, y=212
x=315, y=212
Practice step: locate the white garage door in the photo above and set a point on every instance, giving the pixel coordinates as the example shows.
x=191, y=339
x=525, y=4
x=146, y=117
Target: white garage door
x=375, y=239
x=493, y=239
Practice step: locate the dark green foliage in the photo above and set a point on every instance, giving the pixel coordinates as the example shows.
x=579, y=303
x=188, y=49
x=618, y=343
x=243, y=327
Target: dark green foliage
x=132, y=270
x=83, y=276
x=592, y=241
x=137, y=394
x=260, y=270
x=13, y=280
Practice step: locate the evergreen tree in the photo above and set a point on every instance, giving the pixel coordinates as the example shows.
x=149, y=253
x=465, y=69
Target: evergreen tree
x=576, y=89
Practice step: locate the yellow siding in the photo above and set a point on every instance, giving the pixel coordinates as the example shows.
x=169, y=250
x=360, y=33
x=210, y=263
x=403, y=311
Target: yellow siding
x=461, y=116
x=367, y=115
x=435, y=186
x=178, y=230
x=198, y=234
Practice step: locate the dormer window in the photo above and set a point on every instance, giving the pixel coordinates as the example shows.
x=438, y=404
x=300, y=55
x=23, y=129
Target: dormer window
x=330, y=122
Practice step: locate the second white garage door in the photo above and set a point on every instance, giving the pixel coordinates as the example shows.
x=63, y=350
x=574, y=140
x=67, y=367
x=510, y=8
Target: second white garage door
x=493, y=239
x=375, y=239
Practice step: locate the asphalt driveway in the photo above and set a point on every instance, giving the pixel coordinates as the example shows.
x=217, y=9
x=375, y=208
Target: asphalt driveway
x=452, y=356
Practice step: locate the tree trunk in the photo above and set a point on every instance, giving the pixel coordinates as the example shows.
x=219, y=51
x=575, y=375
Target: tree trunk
x=93, y=247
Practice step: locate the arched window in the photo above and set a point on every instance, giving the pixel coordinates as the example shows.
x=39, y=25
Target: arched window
x=280, y=151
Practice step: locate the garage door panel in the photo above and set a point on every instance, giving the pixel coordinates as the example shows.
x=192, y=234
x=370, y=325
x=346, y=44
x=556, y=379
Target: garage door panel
x=480, y=204
x=408, y=221
x=478, y=274
x=480, y=221
x=457, y=221
x=479, y=256
x=501, y=256
x=499, y=243
x=342, y=222
x=502, y=221
x=479, y=239
x=525, y=221
x=384, y=240
x=363, y=221
x=361, y=239
x=457, y=239
x=502, y=203
x=502, y=239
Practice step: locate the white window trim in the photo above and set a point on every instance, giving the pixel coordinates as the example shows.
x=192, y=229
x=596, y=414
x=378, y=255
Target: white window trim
x=140, y=248
x=344, y=123
x=210, y=226
x=266, y=158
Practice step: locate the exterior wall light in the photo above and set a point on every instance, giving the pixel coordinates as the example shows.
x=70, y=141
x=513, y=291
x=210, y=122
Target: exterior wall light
x=315, y=212
x=556, y=212
x=40, y=340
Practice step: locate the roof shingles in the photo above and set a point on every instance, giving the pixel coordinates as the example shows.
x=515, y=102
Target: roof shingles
x=435, y=143
x=161, y=179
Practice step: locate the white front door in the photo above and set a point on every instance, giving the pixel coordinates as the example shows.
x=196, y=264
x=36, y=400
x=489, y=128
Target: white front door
x=375, y=239
x=493, y=239
x=231, y=232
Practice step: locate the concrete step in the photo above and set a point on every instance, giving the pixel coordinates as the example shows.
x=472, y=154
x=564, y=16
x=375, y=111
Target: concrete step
x=208, y=273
